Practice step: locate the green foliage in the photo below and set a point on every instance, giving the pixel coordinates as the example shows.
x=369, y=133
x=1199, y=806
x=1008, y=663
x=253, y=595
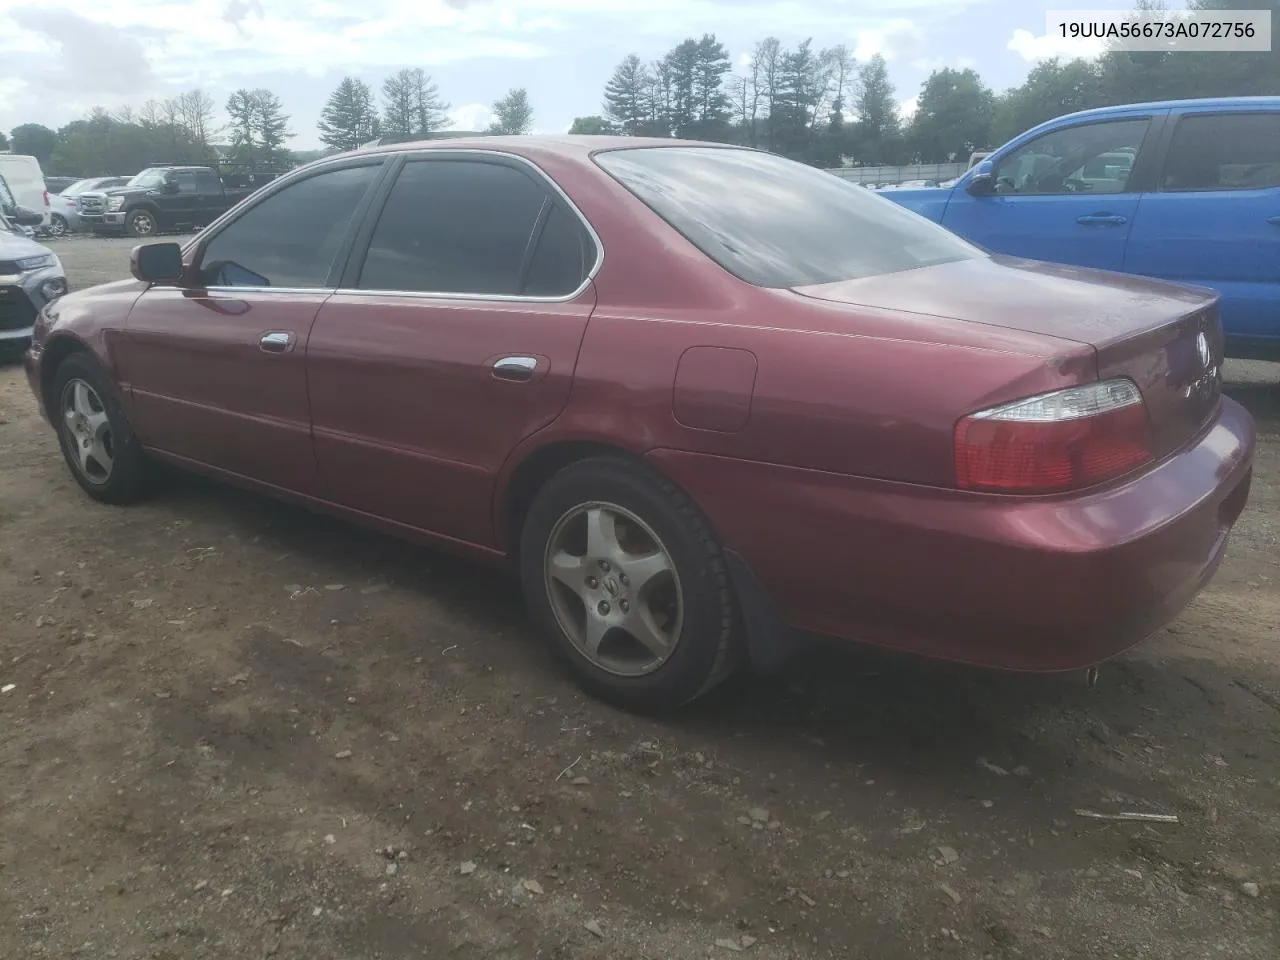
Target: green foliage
x=34, y=140
x=593, y=126
x=513, y=114
x=953, y=116
x=349, y=118
x=412, y=106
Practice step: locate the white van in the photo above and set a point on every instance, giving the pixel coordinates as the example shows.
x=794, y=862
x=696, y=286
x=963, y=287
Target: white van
x=26, y=180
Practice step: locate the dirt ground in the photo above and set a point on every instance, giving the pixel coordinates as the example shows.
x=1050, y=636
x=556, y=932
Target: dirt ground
x=236, y=730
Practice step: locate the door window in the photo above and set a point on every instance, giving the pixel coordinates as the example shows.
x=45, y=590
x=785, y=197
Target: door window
x=289, y=239
x=1224, y=152
x=456, y=227
x=206, y=182
x=1088, y=158
x=186, y=181
x=563, y=257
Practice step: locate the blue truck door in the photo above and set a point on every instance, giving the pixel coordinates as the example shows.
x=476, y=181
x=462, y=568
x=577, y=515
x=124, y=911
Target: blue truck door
x=1067, y=195
x=1215, y=220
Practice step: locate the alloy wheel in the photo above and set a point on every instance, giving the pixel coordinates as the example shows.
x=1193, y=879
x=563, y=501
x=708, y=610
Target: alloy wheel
x=614, y=589
x=87, y=430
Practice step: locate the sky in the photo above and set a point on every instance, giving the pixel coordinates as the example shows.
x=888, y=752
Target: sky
x=60, y=58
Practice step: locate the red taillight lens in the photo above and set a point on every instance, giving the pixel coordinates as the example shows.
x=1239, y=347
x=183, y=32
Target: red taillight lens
x=1059, y=441
x=46, y=198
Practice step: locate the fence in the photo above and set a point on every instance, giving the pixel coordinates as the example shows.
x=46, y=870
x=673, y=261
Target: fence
x=915, y=171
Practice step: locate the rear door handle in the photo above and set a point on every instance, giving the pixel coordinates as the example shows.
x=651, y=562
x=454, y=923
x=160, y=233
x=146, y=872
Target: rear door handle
x=1102, y=219
x=277, y=341
x=519, y=369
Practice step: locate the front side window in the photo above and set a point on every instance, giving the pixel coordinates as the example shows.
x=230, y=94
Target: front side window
x=289, y=239
x=455, y=227
x=1088, y=158
x=186, y=181
x=1224, y=152
x=777, y=223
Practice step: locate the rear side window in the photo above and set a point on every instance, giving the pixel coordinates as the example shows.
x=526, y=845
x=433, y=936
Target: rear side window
x=777, y=223
x=186, y=181
x=455, y=227
x=291, y=238
x=1224, y=152
x=562, y=258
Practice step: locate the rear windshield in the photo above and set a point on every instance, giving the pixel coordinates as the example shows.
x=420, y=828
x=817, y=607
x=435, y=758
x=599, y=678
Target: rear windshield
x=777, y=223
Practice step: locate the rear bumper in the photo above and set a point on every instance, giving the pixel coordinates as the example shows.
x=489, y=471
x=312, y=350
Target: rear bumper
x=1007, y=582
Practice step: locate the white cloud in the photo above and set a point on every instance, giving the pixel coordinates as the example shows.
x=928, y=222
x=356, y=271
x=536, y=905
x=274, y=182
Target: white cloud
x=898, y=39
x=907, y=108
x=1031, y=47
x=470, y=116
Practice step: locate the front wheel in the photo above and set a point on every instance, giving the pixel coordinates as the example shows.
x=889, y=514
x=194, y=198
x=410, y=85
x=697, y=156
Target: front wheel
x=141, y=223
x=628, y=582
x=104, y=456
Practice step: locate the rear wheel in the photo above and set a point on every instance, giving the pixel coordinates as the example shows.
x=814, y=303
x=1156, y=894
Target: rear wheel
x=57, y=225
x=97, y=442
x=628, y=582
x=141, y=223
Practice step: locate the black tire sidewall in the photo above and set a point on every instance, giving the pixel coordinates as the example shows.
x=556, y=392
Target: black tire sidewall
x=704, y=651
x=133, y=215
x=128, y=468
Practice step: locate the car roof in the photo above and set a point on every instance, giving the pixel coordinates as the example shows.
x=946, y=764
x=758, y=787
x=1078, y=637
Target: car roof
x=1201, y=103
x=572, y=146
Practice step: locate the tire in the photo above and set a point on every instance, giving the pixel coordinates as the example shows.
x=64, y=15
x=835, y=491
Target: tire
x=125, y=480
x=57, y=225
x=141, y=223
x=703, y=649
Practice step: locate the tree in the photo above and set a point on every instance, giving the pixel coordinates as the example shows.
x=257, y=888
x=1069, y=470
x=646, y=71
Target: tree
x=626, y=97
x=878, y=132
x=195, y=110
x=4, y=141
x=711, y=106
x=593, y=125
x=271, y=125
x=241, y=109
x=1051, y=89
x=513, y=114
x=412, y=106
x=34, y=140
x=798, y=91
x=767, y=65
x=349, y=118
x=953, y=116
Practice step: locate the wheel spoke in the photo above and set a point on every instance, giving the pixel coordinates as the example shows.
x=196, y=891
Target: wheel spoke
x=81, y=399
x=602, y=534
x=85, y=450
x=640, y=624
x=643, y=569
x=568, y=569
x=594, y=633
x=96, y=420
x=101, y=455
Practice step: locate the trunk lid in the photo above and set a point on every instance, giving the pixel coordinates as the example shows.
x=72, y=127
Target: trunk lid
x=1165, y=337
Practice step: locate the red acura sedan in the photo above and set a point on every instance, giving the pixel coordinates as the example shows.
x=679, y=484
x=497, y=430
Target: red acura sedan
x=705, y=398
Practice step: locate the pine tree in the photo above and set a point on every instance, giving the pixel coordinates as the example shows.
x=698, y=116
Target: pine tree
x=241, y=110
x=879, y=131
x=271, y=124
x=711, y=105
x=350, y=117
x=627, y=96
x=412, y=104
x=513, y=114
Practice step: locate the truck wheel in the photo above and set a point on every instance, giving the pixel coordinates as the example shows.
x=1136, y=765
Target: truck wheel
x=57, y=225
x=141, y=223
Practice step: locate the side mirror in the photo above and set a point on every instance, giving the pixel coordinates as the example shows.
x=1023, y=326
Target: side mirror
x=157, y=263
x=982, y=182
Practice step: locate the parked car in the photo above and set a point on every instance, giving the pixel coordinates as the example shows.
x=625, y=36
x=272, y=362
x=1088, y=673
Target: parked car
x=26, y=181
x=1185, y=190
x=168, y=198
x=30, y=277
x=65, y=206
x=55, y=185
x=692, y=392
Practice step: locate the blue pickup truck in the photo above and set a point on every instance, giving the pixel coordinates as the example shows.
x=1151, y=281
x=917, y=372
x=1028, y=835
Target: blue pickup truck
x=1185, y=190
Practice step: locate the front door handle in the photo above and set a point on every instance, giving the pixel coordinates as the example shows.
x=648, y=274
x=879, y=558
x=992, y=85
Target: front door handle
x=519, y=369
x=277, y=341
x=1102, y=219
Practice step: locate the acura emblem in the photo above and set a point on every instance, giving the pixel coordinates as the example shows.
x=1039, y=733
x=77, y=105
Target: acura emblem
x=1202, y=347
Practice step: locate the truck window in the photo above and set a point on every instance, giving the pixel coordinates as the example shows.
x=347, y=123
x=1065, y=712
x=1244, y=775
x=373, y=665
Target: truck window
x=186, y=181
x=1086, y=158
x=1224, y=151
x=207, y=182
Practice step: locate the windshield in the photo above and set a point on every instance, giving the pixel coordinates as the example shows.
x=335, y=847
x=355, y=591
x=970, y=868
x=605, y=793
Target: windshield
x=149, y=179
x=777, y=223
x=80, y=186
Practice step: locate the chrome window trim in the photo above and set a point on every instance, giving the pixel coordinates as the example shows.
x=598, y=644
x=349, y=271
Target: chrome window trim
x=280, y=183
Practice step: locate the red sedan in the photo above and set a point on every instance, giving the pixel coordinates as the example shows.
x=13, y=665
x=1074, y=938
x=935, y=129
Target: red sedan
x=705, y=398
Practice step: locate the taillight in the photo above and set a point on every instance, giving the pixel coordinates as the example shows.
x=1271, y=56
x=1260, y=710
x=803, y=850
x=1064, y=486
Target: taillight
x=1055, y=442
x=46, y=198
